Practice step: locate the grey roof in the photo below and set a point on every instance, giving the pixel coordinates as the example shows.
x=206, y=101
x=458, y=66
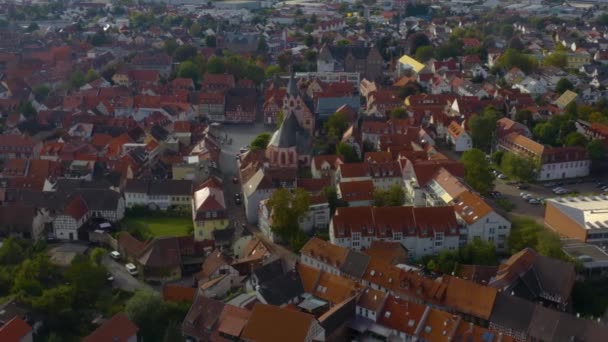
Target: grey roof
x=286, y=135
x=269, y=271
x=98, y=199
x=137, y=186
x=340, y=52
x=292, y=86
x=512, y=312
x=355, y=263
x=280, y=290
x=326, y=106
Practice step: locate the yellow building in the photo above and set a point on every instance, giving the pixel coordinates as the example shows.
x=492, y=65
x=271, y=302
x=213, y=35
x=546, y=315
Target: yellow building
x=577, y=59
x=209, y=210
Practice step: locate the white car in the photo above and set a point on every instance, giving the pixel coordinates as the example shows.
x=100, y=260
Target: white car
x=132, y=269
x=115, y=255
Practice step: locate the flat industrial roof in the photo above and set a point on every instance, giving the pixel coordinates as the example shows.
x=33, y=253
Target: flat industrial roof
x=592, y=251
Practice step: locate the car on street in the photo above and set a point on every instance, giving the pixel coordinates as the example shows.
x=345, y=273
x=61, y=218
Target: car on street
x=237, y=195
x=132, y=269
x=534, y=201
x=235, y=180
x=237, y=200
x=244, y=149
x=524, y=195
x=501, y=176
x=495, y=194
x=523, y=186
x=549, y=185
x=109, y=277
x=115, y=255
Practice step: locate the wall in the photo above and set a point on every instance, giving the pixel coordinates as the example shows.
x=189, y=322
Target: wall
x=564, y=170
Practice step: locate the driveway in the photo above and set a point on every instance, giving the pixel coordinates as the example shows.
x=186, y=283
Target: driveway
x=122, y=279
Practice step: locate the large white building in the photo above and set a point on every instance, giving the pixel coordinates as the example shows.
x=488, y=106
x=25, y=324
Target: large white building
x=158, y=194
x=581, y=218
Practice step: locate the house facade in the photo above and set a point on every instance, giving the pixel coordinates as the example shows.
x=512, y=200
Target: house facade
x=158, y=194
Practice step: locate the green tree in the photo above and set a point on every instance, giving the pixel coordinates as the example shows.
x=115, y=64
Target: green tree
x=288, y=207
x=347, y=152
x=97, y=255
x=260, y=142
x=170, y=45
x=309, y=40
x=262, y=45
x=33, y=27
x=392, y=197
x=196, y=29
x=497, y=156
x=546, y=133
x=147, y=310
x=513, y=58
x=523, y=169
x=210, y=41
x=33, y=276
x=562, y=85
x=91, y=75
x=575, y=139
x=596, y=150
x=41, y=92
x=424, y=53
x=482, y=128
x=399, y=113
x=336, y=125
x=477, y=171
x=11, y=252
x=188, y=69
x=556, y=59
x=525, y=117
x=27, y=109
x=86, y=278
x=343, y=42
x=215, y=65
x=184, y=52
x=271, y=71
x=77, y=79
x=418, y=40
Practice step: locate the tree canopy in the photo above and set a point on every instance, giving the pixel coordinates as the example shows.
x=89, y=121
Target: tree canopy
x=482, y=127
x=288, y=207
x=347, y=152
x=260, y=141
x=392, y=197
x=523, y=169
x=477, y=171
x=336, y=125
x=562, y=85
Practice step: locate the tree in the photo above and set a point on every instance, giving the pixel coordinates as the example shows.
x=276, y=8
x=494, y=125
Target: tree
x=525, y=117
x=97, y=255
x=347, y=152
x=260, y=142
x=556, y=59
x=482, y=128
x=170, y=45
x=33, y=27
x=393, y=197
x=287, y=208
x=343, y=42
x=210, y=41
x=523, y=169
x=91, y=75
x=575, y=139
x=86, y=278
x=309, y=40
x=77, y=79
x=196, y=29
x=513, y=58
x=284, y=59
x=336, y=125
x=562, y=85
x=11, y=252
x=188, y=69
x=516, y=43
x=596, y=150
x=424, y=53
x=184, y=52
x=41, y=92
x=27, y=109
x=418, y=40
x=526, y=233
x=497, y=156
x=399, y=113
x=99, y=38
x=147, y=310
x=262, y=45
x=477, y=171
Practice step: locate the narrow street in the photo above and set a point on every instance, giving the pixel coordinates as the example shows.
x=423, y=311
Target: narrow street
x=122, y=279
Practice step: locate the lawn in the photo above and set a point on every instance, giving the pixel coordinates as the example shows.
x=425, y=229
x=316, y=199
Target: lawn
x=159, y=226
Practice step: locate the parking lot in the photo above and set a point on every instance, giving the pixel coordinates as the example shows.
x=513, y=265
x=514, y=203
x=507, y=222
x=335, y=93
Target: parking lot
x=511, y=193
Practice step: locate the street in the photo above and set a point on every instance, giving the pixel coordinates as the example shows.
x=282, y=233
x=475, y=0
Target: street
x=241, y=135
x=122, y=279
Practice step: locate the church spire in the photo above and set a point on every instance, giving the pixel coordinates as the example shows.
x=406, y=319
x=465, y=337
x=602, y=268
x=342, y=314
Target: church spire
x=292, y=86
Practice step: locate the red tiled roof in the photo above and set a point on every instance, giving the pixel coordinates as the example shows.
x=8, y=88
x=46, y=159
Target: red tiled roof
x=76, y=208
x=357, y=190
x=117, y=329
x=177, y=293
x=14, y=330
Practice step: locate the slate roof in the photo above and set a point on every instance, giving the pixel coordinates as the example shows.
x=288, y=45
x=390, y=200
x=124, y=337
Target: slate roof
x=355, y=264
x=162, y=252
x=282, y=289
x=202, y=317
x=513, y=312
x=269, y=271
x=117, y=329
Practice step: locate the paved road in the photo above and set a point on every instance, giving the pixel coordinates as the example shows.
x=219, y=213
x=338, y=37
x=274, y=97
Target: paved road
x=122, y=279
x=241, y=135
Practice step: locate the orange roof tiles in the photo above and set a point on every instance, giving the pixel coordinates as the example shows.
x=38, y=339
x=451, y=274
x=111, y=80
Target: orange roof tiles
x=371, y=299
x=357, y=190
x=469, y=298
x=232, y=320
x=177, y=293
x=471, y=207
x=439, y=326
x=325, y=251
x=401, y=315
x=273, y=324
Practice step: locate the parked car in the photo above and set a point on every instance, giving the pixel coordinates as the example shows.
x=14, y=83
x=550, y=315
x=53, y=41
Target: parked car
x=534, y=201
x=512, y=183
x=235, y=180
x=109, y=277
x=495, y=194
x=523, y=194
x=132, y=269
x=244, y=149
x=523, y=186
x=237, y=201
x=115, y=255
x=549, y=185
x=501, y=176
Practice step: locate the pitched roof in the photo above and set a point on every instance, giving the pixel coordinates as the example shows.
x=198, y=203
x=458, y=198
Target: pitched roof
x=233, y=320
x=14, y=330
x=202, y=317
x=177, y=293
x=525, y=143
x=469, y=297
x=262, y=324
x=357, y=190
x=162, y=252
x=76, y=207
x=325, y=251
x=471, y=207
x=414, y=64
x=119, y=328
x=565, y=99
